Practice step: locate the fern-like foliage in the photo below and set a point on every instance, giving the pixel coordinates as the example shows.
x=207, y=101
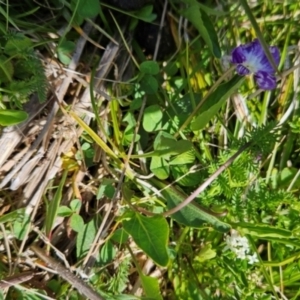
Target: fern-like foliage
x=119, y=281
x=21, y=72
x=242, y=188
x=263, y=138
x=38, y=80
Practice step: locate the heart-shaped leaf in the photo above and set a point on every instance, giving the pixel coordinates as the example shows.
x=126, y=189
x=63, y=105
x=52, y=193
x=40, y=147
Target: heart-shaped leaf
x=151, y=234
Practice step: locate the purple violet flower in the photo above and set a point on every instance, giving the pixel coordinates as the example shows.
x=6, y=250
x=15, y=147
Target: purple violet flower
x=251, y=58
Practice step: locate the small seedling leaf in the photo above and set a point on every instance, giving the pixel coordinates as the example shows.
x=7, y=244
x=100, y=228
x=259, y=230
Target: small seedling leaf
x=64, y=51
x=106, y=189
x=64, y=211
x=76, y=222
x=75, y=205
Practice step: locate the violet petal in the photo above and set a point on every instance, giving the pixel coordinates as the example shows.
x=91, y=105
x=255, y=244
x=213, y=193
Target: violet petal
x=241, y=70
x=265, y=81
x=247, y=52
x=265, y=65
x=276, y=54
x=253, y=58
x=237, y=55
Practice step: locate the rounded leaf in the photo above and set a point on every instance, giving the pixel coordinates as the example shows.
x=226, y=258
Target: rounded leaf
x=152, y=120
x=149, y=67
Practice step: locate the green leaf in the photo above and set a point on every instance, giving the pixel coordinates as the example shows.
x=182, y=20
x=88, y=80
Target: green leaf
x=12, y=216
x=64, y=211
x=174, y=148
x=76, y=222
x=107, y=253
x=151, y=234
x=203, y=24
x=130, y=119
x=149, y=84
x=106, y=189
x=165, y=144
x=286, y=175
x=206, y=253
x=128, y=139
x=159, y=167
x=262, y=230
x=21, y=226
x=152, y=120
x=10, y=117
x=120, y=236
x=149, y=67
x=215, y=101
x=64, y=51
x=145, y=14
x=86, y=8
x=163, y=140
x=85, y=146
x=76, y=205
x=191, y=215
x=184, y=177
x=85, y=238
x=183, y=158
x=130, y=136
x=151, y=287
